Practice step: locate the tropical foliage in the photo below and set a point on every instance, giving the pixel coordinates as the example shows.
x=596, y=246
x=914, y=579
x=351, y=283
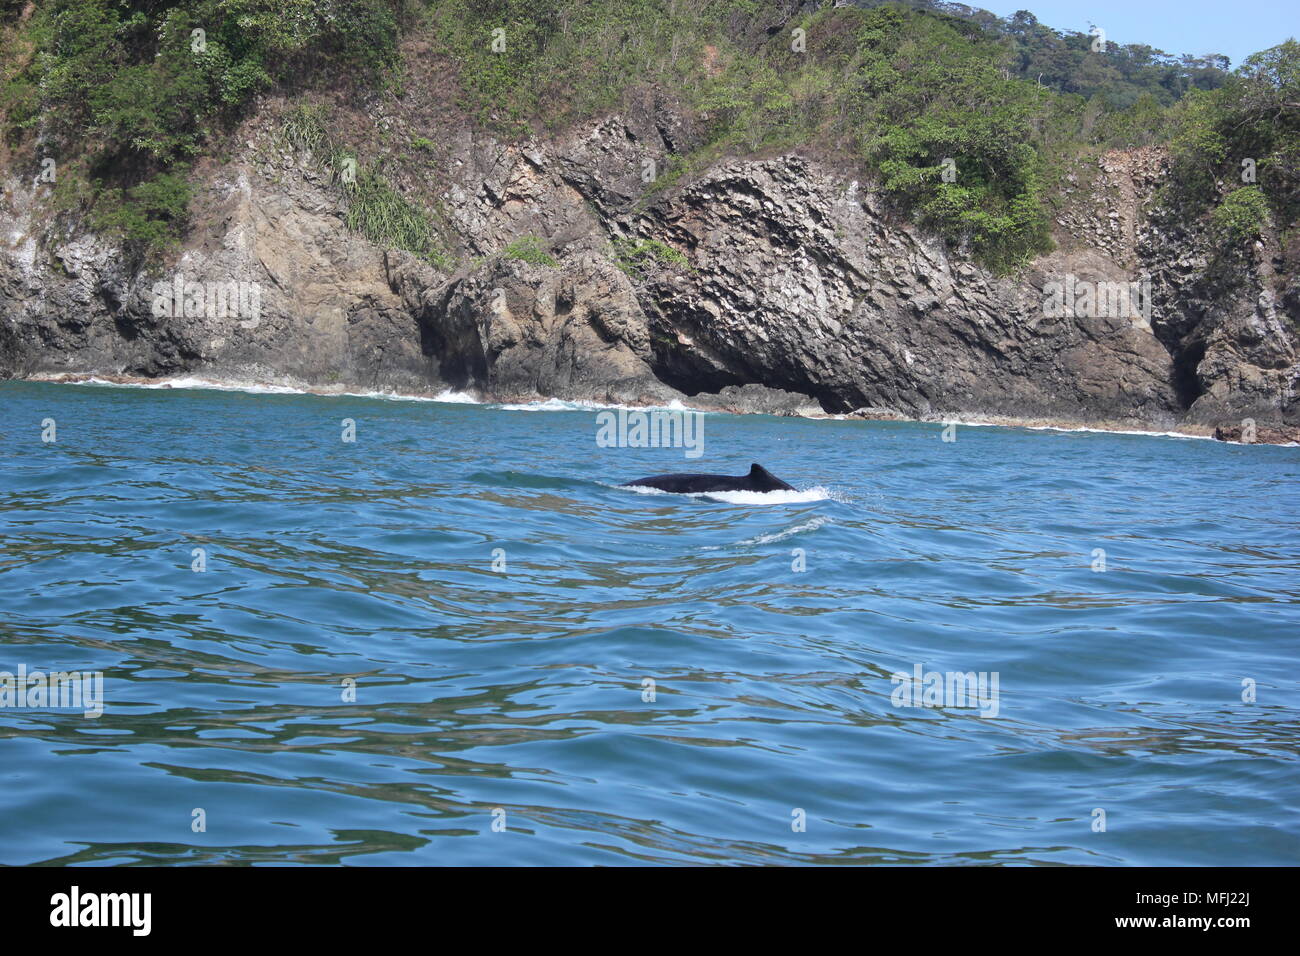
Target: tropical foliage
x=968, y=121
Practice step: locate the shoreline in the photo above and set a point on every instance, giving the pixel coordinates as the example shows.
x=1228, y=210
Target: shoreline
x=523, y=403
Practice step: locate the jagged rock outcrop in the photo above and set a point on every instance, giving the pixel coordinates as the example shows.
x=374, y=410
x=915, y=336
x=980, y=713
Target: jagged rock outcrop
x=1248, y=434
x=798, y=288
x=803, y=282
x=756, y=399
x=517, y=330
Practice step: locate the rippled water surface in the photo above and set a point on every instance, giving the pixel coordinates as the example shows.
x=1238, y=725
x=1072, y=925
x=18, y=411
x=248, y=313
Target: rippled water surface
x=520, y=690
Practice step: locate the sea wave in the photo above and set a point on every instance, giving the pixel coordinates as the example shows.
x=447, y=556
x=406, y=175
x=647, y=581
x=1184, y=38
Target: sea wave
x=191, y=382
x=194, y=382
x=1077, y=428
x=803, y=527
x=465, y=397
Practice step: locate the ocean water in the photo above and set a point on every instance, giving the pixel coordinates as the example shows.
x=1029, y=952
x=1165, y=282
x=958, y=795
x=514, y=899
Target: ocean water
x=434, y=644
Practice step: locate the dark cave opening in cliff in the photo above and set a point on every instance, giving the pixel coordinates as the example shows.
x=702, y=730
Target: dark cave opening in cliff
x=679, y=371
x=1187, y=384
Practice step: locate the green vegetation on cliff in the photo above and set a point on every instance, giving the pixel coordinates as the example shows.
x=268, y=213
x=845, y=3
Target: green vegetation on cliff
x=967, y=121
x=125, y=95
x=374, y=208
x=1245, y=133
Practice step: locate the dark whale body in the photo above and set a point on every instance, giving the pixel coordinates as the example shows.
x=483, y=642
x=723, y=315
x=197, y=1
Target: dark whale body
x=758, y=479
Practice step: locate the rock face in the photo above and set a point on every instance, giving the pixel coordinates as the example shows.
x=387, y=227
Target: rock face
x=801, y=282
x=324, y=309
x=777, y=285
x=516, y=330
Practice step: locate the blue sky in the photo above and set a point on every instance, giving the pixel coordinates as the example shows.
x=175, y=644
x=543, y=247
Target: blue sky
x=1235, y=28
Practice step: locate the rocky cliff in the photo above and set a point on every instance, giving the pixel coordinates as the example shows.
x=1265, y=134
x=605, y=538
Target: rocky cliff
x=783, y=271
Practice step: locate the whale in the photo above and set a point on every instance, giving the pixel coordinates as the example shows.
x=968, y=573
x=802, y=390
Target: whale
x=758, y=479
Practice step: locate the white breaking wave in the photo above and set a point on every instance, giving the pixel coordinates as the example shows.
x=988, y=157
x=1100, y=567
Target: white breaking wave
x=550, y=405
x=446, y=397
x=584, y=405
x=1036, y=428
x=1079, y=428
x=190, y=382
x=1111, y=431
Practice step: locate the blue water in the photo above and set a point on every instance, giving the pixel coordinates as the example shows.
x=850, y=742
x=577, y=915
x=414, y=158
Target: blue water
x=515, y=695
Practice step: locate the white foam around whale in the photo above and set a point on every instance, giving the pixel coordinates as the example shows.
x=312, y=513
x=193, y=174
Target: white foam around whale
x=816, y=493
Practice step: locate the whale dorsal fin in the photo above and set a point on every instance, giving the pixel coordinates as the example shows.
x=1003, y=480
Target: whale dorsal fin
x=764, y=480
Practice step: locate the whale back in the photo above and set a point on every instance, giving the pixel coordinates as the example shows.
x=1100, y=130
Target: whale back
x=758, y=479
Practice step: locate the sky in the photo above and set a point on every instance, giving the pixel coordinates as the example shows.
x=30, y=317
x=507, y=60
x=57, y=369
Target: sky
x=1235, y=28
